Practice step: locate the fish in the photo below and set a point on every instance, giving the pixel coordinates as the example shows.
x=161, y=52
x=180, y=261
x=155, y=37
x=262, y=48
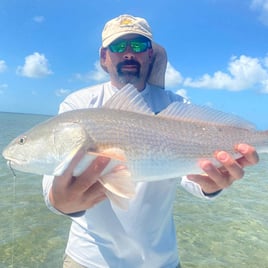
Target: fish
x=141, y=145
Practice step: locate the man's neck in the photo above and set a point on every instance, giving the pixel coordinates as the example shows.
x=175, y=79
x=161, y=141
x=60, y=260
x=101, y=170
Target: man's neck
x=139, y=86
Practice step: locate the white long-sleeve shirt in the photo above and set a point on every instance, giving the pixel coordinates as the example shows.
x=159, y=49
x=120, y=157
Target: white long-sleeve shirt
x=143, y=236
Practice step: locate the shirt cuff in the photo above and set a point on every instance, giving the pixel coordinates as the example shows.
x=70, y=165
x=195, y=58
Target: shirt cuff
x=54, y=210
x=195, y=189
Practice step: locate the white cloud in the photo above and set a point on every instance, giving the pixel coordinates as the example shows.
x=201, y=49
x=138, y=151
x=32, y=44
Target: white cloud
x=265, y=62
x=261, y=6
x=62, y=92
x=3, y=66
x=173, y=77
x=35, y=66
x=265, y=86
x=39, y=19
x=96, y=75
x=182, y=92
x=243, y=73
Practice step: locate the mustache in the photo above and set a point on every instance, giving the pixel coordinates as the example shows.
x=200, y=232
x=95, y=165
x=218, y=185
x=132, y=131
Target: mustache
x=128, y=62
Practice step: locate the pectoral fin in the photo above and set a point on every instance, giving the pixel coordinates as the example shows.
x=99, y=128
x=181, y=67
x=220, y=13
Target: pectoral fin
x=113, y=153
x=116, y=177
x=120, y=188
x=65, y=163
x=120, y=202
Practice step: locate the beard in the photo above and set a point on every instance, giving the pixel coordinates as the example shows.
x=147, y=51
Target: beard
x=128, y=76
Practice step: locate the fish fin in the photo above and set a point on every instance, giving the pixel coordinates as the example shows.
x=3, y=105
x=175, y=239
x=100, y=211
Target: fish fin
x=118, y=181
x=195, y=113
x=113, y=153
x=83, y=164
x=119, y=201
x=128, y=98
x=64, y=164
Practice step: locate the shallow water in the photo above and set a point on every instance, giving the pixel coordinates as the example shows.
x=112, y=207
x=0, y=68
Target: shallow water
x=231, y=231
x=30, y=235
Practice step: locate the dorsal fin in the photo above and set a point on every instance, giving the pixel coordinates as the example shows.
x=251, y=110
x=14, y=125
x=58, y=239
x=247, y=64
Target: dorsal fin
x=195, y=113
x=128, y=98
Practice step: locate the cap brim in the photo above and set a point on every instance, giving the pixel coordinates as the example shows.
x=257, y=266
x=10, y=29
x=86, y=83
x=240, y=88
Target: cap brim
x=113, y=37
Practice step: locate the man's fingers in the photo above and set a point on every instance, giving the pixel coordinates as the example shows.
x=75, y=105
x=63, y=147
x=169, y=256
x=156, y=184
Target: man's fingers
x=250, y=156
x=66, y=178
x=71, y=194
x=91, y=174
x=207, y=185
x=94, y=195
x=231, y=168
x=218, y=177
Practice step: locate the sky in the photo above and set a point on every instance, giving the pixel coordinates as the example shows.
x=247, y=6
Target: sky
x=217, y=51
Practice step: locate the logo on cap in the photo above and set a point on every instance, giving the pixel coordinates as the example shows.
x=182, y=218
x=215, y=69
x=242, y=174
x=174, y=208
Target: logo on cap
x=126, y=22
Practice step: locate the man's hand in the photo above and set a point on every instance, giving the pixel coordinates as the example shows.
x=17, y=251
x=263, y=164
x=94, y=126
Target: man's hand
x=217, y=179
x=74, y=194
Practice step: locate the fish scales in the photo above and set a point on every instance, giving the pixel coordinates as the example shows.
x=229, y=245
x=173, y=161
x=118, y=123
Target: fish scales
x=143, y=134
x=151, y=139
x=146, y=147
x=154, y=144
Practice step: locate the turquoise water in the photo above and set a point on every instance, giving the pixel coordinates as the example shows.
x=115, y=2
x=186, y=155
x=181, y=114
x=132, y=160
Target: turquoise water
x=231, y=231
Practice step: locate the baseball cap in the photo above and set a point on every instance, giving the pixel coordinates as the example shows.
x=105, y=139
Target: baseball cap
x=128, y=24
x=122, y=25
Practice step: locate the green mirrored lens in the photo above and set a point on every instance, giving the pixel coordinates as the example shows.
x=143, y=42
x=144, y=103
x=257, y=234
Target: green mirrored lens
x=137, y=46
x=118, y=47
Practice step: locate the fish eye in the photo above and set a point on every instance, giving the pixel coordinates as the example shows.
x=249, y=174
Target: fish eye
x=22, y=140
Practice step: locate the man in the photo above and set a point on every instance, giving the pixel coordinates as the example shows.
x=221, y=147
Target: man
x=144, y=236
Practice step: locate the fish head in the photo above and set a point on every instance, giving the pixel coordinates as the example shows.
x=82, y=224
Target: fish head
x=47, y=148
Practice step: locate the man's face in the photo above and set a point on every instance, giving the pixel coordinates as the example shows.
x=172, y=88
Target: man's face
x=124, y=61
x=128, y=68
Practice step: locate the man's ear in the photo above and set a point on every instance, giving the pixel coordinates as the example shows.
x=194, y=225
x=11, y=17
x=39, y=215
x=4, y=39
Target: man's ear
x=151, y=53
x=103, y=58
x=103, y=53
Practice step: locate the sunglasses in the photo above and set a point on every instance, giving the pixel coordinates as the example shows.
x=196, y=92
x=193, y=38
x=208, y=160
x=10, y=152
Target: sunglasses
x=137, y=45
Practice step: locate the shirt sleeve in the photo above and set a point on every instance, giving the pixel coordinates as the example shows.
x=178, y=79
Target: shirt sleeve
x=47, y=184
x=195, y=189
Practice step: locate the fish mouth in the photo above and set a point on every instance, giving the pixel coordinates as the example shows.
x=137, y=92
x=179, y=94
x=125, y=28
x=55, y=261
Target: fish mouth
x=14, y=162
x=9, y=164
